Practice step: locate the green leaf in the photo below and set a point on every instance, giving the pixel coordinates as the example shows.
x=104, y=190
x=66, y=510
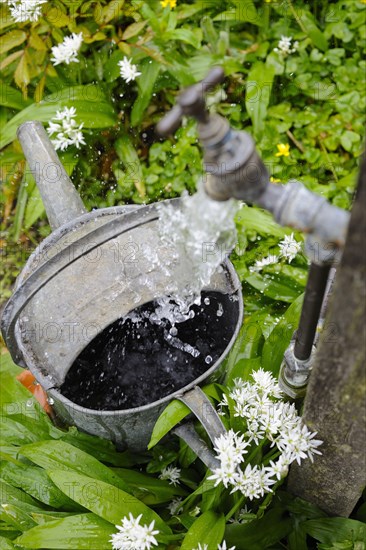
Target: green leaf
x=349, y=139
x=12, y=495
x=184, y=35
x=145, y=85
x=306, y=22
x=59, y=455
x=19, y=518
x=170, y=417
x=270, y=287
x=260, y=221
x=92, y=109
x=35, y=482
x=280, y=337
x=128, y=155
x=10, y=97
x=6, y=544
x=148, y=489
x=258, y=92
x=12, y=39
x=86, y=531
x=261, y=533
x=207, y=529
x=103, y=499
x=244, y=10
x=329, y=530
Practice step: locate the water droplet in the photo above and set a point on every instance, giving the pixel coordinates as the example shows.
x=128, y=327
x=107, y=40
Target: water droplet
x=29, y=403
x=173, y=331
x=51, y=401
x=208, y=359
x=207, y=301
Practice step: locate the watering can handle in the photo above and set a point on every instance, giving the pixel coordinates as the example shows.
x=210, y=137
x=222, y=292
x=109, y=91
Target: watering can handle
x=202, y=408
x=59, y=196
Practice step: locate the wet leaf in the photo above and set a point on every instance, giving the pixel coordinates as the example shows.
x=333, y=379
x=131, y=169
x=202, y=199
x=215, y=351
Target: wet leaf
x=207, y=529
x=170, y=417
x=103, y=499
x=86, y=531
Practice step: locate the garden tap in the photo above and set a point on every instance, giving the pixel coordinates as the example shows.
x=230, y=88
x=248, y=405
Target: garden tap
x=235, y=170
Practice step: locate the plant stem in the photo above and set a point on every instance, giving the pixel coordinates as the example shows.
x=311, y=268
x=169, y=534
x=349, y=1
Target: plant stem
x=298, y=20
x=236, y=507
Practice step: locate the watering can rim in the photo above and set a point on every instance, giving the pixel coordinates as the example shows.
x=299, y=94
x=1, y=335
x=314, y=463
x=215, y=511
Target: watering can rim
x=13, y=309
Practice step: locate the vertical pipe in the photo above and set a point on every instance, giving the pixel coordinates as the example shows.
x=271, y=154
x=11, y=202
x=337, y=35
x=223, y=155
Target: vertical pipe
x=59, y=196
x=313, y=299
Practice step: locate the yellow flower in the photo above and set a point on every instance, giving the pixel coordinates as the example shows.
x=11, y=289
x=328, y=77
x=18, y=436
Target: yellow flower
x=274, y=180
x=170, y=3
x=283, y=150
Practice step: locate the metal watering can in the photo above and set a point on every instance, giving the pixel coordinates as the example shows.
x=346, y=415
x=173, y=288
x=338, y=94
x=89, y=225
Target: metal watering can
x=80, y=280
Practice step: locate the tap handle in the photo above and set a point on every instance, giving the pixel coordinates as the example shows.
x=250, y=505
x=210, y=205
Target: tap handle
x=191, y=102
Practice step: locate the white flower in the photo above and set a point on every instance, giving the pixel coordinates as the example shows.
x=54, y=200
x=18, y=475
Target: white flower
x=28, y=10
x=67, y=51
x=224, y=547
x=195, y=511
x=298, y=443
x=260, y=264
x=265, y=383
x=175, y=507
x=278, y=469
x=172, y=474
x=133, y=536
x=128, y=70
x=64, y=131
x=284, y=46
x=289, y=247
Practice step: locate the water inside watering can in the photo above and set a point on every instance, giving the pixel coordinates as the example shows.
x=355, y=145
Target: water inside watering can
x=140, y=359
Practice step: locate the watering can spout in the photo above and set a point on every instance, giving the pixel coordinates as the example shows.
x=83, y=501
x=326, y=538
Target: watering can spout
x=59, y=196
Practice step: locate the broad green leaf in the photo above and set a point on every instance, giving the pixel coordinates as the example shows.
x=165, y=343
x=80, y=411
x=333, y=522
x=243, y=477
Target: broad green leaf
x=35, y=482
x=207, y=529
x=92, y=109
x=148, y=489
x=272, y=288
x=10, y=97
x=349, y=139
x=329, y=530
x=280, y=337
x=59, y=455
x=258, y=92
x=170, y=417
x=103, y=499
x=260, y=221
x=12, y=495
x=19, y=518
x=12, y=39
x=86, y=531
x=259, y=533
x=314, y=33
x=145, y=83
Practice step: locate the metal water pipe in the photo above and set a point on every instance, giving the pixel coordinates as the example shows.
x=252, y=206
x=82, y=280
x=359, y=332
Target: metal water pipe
x=234, y=169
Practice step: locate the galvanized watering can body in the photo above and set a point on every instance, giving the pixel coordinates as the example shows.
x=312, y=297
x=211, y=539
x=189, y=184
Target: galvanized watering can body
x=92, y=270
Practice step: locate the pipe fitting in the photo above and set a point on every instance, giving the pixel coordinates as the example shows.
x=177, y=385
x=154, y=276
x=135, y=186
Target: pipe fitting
x=295, y=373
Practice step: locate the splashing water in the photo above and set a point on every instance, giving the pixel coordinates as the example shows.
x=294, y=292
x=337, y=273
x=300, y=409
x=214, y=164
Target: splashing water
x=204, y=230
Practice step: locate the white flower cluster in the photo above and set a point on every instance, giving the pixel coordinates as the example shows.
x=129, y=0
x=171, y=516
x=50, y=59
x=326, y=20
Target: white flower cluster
x=289, y=248
x=65, y=130
x=128, y=71
x=67, y=51
x=133, y=536
x=28, y=10
x=172, y=474
x=265, y=417
x=285, y=46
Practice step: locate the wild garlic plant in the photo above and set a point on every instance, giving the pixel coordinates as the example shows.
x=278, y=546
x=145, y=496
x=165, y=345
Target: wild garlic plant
x=265, y=437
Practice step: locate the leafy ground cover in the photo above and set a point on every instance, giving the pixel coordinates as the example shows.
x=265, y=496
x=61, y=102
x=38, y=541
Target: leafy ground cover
x=295, y=79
